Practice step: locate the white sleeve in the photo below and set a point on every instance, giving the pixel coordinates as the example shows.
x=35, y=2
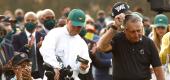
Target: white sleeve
x=85, y=54
x=48, y=47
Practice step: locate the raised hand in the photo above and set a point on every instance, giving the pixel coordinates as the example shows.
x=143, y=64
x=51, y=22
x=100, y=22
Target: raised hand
x=26, y=74
x=119, y=19
x=40, y=42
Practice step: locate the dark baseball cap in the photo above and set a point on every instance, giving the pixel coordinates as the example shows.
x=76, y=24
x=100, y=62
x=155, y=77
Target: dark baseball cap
x=19, y=58
x=77, y=16
x=119, y=7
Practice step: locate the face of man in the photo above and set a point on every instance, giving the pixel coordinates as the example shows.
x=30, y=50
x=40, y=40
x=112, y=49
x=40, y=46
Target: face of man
x=73, y=30
x=7, y=26
x=48, y=20
x=30, y=23
x=48, y=15
x=134, y=31
x=146, y=23
x=30, y=18
x=19, y=16
x=3, y=32
x=101, y=17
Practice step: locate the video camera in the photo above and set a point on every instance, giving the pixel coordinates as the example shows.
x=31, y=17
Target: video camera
x=65, y=73
x=82, y=60
x=49, y=71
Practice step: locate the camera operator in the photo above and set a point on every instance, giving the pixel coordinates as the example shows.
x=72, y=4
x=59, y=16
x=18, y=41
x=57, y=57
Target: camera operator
x=66, y=43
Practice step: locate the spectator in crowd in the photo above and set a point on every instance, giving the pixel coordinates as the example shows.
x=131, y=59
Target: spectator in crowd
x=29, y=41
x=89, y=19
x=40, y=20
x=19, y=16
x=21, y=66
x=10, y=17
x=6, y=22
x=9, y=13
x=133, y=53
x=64, y=43
x=65, y=12
x=159, y=29
x=6, y=52
x=105, y=58
x=146, y=24
x=100, y=22
x=165, y=51
x=48, y=20
x=61, y=22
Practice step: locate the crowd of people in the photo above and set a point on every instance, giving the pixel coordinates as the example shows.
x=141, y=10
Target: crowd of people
x=125, y=45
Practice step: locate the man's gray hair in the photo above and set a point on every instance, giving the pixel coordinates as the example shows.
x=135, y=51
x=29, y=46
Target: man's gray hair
x=132, y=18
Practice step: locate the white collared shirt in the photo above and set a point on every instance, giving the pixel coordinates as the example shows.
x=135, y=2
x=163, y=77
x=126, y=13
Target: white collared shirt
x=58, y=42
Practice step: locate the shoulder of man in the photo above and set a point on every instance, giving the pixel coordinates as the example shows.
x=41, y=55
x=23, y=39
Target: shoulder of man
x=55, y=31
x=17, y=36
x=118, y=36
x=145, y=38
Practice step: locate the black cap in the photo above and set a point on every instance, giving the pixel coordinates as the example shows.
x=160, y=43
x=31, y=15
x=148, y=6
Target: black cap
x=119, y=7
x=19, y=58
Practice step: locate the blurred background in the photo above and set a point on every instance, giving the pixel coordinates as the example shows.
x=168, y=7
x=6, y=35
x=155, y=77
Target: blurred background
x=89, y=6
